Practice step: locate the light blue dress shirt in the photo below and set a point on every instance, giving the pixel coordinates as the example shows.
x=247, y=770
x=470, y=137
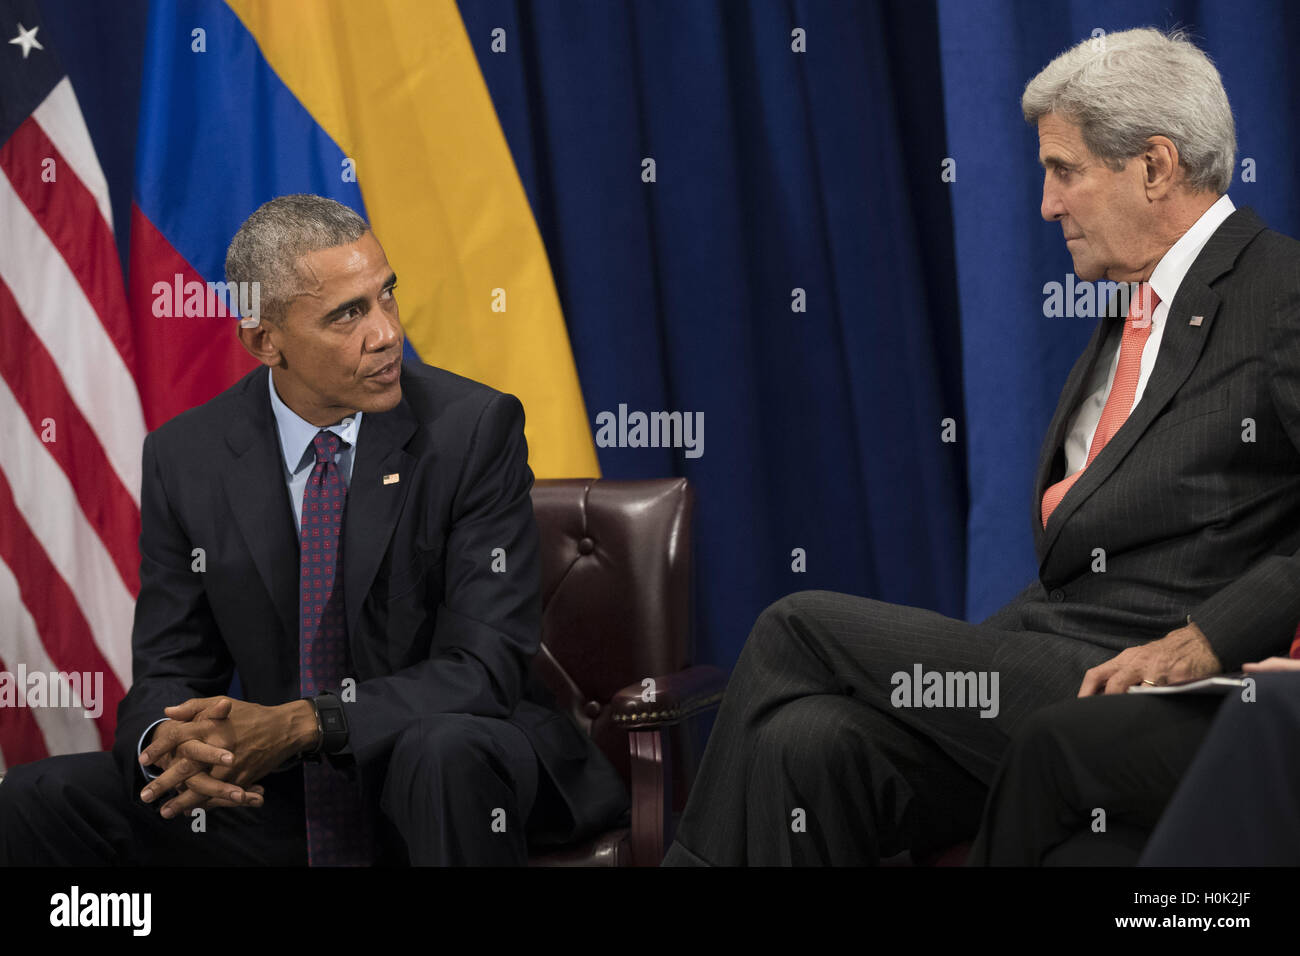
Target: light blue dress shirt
x=296, y=446
x=298, y=453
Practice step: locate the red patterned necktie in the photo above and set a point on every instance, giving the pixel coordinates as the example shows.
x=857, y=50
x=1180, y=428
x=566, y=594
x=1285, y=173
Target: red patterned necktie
x=338, y=831
x=1137, y=329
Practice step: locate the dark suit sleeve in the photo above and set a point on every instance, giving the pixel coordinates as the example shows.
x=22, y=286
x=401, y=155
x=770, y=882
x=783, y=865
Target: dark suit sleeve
x=176, y=650
x=488, y=623
x=1255, y=616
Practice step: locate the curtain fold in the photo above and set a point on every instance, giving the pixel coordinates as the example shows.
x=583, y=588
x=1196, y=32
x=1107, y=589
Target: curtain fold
x=783, y=180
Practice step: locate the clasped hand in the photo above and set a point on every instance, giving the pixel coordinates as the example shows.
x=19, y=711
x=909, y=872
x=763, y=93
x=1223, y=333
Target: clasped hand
x=213, y=750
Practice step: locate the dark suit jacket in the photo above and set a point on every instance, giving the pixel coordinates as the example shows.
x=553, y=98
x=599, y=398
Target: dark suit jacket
x=433, y=629
x=1194, y=519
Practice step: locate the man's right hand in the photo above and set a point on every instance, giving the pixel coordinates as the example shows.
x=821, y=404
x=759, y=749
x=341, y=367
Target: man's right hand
x=253, y=795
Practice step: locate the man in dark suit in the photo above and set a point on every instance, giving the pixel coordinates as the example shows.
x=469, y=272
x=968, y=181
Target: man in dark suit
x=1196, y=780
x=352, y=533
x=1166, y=510
x=1238, y=804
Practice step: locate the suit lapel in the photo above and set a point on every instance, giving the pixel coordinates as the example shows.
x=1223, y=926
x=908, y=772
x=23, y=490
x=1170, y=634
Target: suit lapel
x=373, y=505
x=259, y=499
x=1071, y=396
x=1180, y=347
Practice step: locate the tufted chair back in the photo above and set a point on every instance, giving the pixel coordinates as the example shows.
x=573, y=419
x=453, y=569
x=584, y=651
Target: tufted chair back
x=616, y=601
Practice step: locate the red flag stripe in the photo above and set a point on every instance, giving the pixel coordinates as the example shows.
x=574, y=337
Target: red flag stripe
x=21, y=740
x=192, y=359
x=34, y=379
x=68, y=213
x=56, y=308
x=65, y=635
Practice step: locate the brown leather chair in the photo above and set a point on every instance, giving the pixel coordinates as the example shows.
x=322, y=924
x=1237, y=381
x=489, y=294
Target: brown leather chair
x=616, y=616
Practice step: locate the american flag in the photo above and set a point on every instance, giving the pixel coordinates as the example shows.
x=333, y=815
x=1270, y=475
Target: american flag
x=71, y=421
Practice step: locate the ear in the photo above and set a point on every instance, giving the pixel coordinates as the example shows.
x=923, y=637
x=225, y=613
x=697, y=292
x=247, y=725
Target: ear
x=1160, y=172
x=261, y=341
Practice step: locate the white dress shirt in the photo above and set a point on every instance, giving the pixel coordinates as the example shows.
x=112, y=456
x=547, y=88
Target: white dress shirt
x=1165, y=280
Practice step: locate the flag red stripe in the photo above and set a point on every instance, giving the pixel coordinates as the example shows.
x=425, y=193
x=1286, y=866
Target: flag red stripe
x=190, y=360
x=21, y=740
x=29, y=369
x=67, y=211
x=65, y=635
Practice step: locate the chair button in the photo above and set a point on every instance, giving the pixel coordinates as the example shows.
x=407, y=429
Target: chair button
x=586, y=546
x=1058, y=595
x=592, y=708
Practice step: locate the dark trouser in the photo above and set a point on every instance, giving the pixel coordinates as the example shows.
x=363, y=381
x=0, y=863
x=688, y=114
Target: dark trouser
x=441, y=798
x=1239, y=802
x=1084, y=781
x=810, y=762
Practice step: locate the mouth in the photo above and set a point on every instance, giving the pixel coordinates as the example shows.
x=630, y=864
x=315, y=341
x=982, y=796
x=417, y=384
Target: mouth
x=388, y=373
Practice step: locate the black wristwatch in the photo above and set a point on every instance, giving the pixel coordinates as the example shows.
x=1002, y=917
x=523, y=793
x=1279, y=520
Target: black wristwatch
x=332, y=724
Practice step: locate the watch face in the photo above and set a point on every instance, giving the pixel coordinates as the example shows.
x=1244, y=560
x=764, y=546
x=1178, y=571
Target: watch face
x=331, y=721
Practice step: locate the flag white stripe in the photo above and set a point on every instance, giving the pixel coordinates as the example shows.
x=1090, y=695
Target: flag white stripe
x=56, y=307
x=47, y=501
x=59, y=115
x=66, y=729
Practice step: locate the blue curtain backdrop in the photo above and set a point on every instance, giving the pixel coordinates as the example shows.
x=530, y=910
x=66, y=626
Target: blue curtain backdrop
x=821, y=171
x=775, y=171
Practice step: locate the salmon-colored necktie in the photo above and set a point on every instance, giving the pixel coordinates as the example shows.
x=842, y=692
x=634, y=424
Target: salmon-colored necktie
x=1137, y=329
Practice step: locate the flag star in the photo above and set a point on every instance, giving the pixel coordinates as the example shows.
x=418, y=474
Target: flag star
x=27, y=39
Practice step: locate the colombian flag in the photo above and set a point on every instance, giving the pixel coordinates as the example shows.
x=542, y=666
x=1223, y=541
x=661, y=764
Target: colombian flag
x=383, y=108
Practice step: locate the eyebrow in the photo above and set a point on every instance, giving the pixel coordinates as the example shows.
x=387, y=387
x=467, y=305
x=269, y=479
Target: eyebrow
x=1051, y=160
x=344, y=307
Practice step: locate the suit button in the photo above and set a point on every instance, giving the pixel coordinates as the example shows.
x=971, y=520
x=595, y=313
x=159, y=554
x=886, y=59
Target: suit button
x=592, y=709
x=1058, y=595
x=586, y=546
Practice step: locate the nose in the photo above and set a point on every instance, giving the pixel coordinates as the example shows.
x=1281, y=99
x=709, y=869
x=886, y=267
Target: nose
x=1052, y=208
x=387, y=331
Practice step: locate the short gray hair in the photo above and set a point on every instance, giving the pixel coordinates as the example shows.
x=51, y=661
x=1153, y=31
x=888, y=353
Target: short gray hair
x=1122, y=88
x=267, y=247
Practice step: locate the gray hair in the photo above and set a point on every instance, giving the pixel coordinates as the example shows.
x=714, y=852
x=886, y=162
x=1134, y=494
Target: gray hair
x=267, y=247
x=1122, y=88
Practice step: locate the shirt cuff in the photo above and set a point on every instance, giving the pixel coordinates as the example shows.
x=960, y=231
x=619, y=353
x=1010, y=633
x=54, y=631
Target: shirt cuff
x=140, y=747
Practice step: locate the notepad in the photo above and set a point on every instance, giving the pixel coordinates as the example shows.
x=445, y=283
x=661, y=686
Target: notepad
x=1218, y=684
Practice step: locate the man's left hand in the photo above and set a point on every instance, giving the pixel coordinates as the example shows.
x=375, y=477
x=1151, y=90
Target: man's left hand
x=1182, y=654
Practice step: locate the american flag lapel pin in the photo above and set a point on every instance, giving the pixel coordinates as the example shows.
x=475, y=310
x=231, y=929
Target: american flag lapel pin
x=392, y=479
x=1196, y=320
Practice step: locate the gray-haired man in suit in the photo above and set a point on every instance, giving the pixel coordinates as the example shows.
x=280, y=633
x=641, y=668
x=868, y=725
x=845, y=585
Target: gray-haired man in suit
x=848, y=732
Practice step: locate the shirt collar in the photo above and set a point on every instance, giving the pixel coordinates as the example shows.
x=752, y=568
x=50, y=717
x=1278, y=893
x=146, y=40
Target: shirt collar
x=1170, y=270
x=297, y=434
